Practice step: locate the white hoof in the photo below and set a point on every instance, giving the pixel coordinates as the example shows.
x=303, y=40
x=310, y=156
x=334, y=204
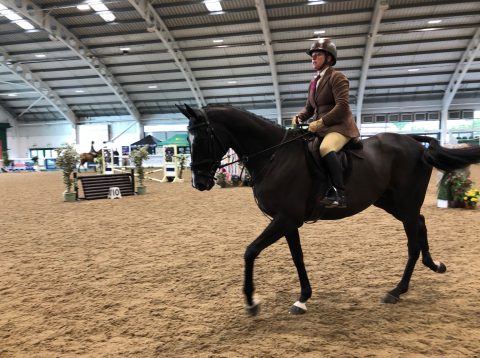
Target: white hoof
x=298, y=308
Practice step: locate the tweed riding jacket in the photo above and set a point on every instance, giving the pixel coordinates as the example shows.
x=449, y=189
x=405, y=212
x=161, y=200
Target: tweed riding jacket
x=330, y=102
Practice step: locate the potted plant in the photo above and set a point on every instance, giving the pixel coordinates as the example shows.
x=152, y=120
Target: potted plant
x=99, y=163
x=138, y=156
x=67, y=160
x=181, y=165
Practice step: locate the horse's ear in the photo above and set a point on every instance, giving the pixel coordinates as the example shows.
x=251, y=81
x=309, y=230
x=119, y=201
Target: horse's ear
x=183, y=110
x=190, y=111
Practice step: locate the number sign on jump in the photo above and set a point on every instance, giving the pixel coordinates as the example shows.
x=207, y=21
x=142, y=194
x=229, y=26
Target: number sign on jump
x=114, y=192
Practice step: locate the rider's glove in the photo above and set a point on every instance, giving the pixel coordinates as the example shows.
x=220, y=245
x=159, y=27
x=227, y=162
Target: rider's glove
x=315, y=126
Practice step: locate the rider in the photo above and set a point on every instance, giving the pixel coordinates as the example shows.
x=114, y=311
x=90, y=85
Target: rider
x=332, y=119
x=92, y=150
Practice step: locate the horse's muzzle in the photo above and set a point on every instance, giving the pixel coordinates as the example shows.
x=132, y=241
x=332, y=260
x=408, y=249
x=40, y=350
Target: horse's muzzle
x=202, y=182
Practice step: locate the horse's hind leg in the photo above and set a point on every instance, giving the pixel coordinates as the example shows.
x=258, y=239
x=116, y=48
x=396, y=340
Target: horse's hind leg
x=426, y=257
x=293, y=239
x=417, y=242
x=411, y=228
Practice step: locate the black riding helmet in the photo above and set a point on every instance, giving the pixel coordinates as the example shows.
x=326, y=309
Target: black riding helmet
x=324, y=45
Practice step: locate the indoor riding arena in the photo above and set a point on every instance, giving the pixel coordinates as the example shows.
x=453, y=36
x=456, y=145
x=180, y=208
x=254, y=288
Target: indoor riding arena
x=161, y=275
x=158, y=158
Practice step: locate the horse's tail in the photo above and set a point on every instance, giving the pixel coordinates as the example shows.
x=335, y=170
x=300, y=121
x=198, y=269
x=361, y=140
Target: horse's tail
x=448, y=159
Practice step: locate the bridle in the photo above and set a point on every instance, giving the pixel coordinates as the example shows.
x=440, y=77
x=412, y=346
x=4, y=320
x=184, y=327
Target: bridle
x=214, y=165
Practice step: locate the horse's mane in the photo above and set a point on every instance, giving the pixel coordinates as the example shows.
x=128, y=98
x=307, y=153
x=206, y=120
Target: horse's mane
x=244, y=111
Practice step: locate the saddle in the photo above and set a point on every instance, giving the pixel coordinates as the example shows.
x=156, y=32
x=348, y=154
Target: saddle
x=353, y=147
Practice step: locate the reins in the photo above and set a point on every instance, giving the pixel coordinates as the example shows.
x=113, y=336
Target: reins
x=215, y=165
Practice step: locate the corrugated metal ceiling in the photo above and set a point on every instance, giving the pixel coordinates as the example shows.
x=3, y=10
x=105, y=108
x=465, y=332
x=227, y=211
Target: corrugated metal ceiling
x=236, y=70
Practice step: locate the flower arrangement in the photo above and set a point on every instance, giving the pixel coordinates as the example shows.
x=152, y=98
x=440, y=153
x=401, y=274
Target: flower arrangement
x=471, y=198
x=459, y=184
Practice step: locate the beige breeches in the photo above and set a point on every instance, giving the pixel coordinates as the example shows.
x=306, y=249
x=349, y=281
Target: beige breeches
x=332, y=142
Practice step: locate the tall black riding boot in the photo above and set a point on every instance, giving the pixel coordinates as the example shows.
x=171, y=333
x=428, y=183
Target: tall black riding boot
x=335, y=195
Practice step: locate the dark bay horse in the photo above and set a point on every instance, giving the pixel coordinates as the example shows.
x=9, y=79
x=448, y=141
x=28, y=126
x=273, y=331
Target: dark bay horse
x=392, y=172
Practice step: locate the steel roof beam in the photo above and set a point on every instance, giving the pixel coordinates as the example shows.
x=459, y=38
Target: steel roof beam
x=157, y=25
x=456, y=80
x=262, y=14
x=380, y=7
x=27, y=76
x=50, y=24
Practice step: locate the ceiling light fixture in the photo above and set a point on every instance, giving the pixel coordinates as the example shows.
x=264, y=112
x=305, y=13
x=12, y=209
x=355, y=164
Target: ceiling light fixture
x=213, y=5
x=434, y=21
x=24, y=24
x=218, y=41
x=413, y=69
x=153, y=86
x=101, y=9
x=15, y=18
x=79, y=91
x=40, y=55
x=97, y=6
x=315, y=2
x=319, y=32
x=83, y=7
x=12, y=95
x=107, y=16
x=430, y=29
x=9, y=14
x=124, y=48
x=232, y=82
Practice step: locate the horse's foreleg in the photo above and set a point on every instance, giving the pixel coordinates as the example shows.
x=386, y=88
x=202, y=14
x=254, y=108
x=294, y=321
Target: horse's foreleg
x=271, y=234
x=293, y=239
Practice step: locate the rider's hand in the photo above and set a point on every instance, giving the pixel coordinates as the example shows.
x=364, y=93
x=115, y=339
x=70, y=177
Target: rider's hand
x=315, y=126
x=295, y=121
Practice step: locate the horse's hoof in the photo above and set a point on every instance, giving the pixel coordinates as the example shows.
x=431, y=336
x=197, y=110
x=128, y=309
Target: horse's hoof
x=253, y=310
x=298, y=308
x=391, y=299
x=441, y=268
